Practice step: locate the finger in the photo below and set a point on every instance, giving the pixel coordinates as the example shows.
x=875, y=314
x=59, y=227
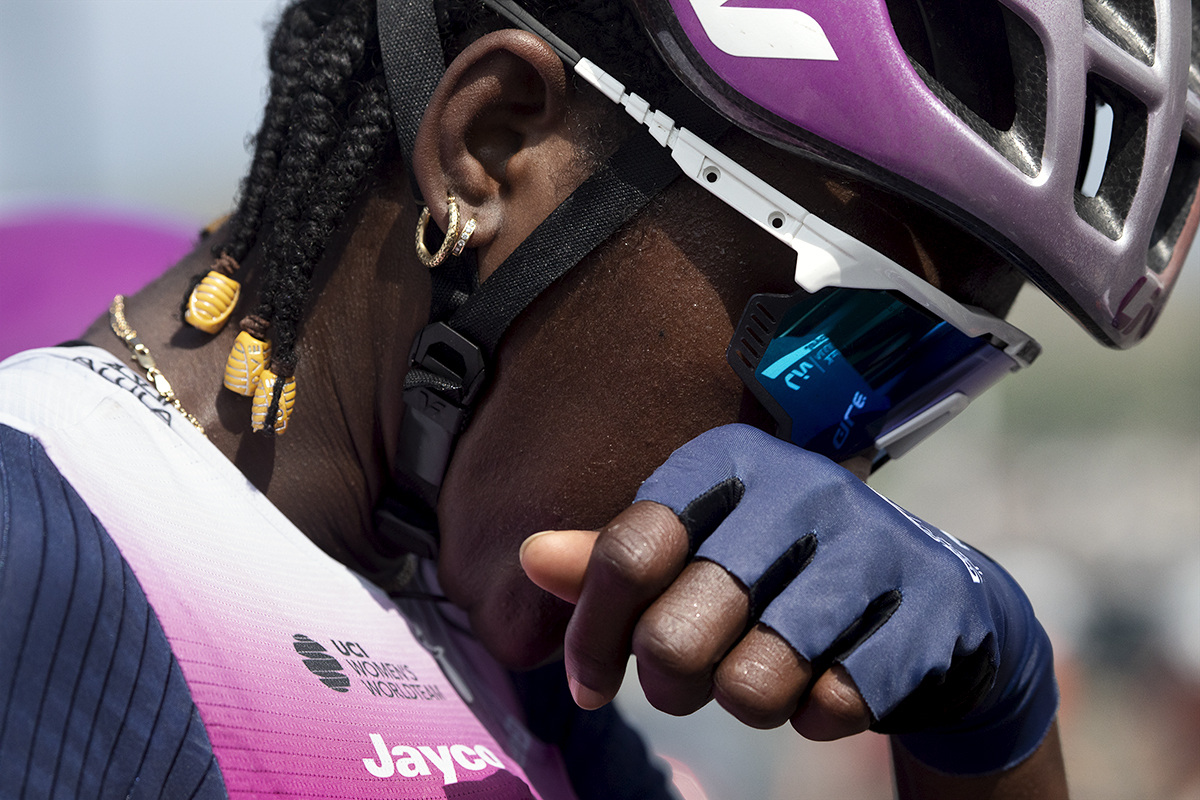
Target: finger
x=683, y=635
x=635, y=558
x=834, y=709
x=762, y=680
x=557, y=561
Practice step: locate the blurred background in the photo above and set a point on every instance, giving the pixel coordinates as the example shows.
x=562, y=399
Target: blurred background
x=124, y=122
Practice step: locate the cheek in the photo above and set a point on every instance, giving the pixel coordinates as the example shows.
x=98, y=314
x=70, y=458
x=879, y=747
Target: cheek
x=597, y=383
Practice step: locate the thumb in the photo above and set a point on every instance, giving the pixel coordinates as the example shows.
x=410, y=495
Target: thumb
x=557, y=560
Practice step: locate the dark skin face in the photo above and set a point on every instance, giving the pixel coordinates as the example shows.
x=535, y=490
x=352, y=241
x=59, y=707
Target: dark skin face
x=630, y=348
x=607, y=373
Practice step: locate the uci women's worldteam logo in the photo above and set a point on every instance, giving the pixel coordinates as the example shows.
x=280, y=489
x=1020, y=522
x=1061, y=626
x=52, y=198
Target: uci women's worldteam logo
x=386, y=679
x=321, y=663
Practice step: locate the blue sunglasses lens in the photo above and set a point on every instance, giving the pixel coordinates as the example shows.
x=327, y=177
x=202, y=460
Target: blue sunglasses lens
x=840, y=367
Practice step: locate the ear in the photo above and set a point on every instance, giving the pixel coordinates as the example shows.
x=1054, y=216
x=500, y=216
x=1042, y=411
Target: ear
x=496, y=136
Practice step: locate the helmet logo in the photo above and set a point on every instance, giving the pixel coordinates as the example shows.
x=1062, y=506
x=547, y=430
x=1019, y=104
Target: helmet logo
x=742, y=30
x=1129, y=315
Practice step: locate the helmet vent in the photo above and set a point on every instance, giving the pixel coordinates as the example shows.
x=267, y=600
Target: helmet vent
x=1101, y=123
x=965, y=52
x=1177, y=204
x=1110, y=157
x=1130, y=24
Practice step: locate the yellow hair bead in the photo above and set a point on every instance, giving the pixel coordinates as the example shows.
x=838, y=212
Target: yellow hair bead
x=212, y=302
x=215, y=225
x=246, y=362
x=262, y=401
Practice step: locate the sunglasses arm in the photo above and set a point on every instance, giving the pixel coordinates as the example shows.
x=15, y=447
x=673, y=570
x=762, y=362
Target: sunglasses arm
x=825, y=255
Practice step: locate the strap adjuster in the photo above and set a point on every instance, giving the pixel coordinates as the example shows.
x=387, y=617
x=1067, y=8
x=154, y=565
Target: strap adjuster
x=448, y=354
x=447, y=371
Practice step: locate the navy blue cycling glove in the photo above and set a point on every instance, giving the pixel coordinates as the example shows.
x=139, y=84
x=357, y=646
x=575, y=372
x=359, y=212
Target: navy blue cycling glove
x=941, y=642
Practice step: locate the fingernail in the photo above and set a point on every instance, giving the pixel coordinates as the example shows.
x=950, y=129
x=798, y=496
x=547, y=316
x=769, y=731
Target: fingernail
x=525, y=544
x=585, y=698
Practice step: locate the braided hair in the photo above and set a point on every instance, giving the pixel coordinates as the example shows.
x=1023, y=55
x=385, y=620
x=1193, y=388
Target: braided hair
x=327, y=125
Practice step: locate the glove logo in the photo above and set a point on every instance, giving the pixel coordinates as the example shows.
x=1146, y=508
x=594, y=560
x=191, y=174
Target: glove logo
x=750, y=32
x=951, y=543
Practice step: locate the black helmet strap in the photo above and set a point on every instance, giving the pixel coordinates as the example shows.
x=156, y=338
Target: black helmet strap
x=450, y=358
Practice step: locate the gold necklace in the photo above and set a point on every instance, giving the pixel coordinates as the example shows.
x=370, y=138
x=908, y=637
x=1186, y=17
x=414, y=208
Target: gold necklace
x=141, y=354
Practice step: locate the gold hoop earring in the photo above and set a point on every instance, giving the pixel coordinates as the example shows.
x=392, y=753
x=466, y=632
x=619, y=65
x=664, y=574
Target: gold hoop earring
x=431, y=260
x=461, y=244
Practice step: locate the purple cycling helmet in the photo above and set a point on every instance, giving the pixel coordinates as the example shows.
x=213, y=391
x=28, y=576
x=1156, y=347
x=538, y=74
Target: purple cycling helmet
x=1066, y=135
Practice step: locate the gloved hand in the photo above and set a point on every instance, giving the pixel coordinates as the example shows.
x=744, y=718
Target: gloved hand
x=937, y=639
